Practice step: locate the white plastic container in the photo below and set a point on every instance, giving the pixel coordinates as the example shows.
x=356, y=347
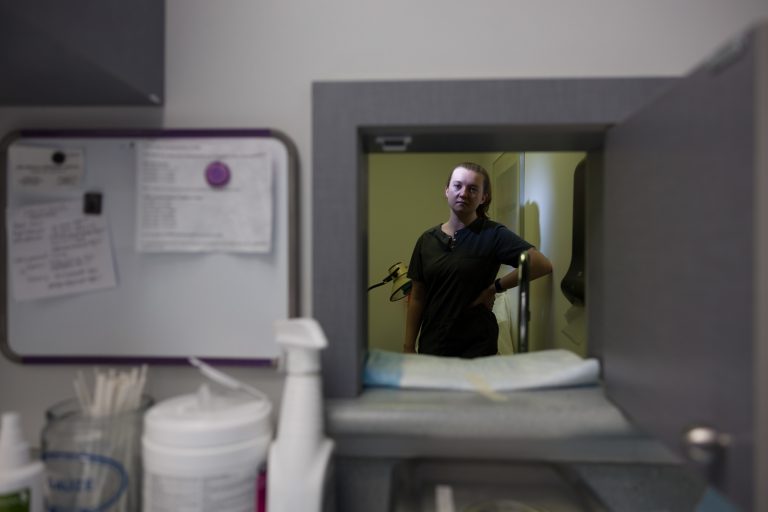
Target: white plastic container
x=21, y=479
x=203, y=452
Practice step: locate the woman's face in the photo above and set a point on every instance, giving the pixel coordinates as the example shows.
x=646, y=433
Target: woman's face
x=465, y=191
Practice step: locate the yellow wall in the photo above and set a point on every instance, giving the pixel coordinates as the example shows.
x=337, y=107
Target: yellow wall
x=406, y=197
x=548, y=204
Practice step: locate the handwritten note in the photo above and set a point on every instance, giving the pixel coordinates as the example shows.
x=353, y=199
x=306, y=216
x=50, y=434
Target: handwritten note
x=180, y=209
x=54, y=249
x=41, y=168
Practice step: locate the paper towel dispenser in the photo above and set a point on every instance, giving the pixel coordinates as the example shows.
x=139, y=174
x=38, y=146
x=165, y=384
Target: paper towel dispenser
x=574, y=280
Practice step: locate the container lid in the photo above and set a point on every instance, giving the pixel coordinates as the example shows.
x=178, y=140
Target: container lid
x=208, y=419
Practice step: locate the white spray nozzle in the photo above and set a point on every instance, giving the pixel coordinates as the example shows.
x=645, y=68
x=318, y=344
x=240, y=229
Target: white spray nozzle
x=225, y=380
x=302, y=339
x=14, y=450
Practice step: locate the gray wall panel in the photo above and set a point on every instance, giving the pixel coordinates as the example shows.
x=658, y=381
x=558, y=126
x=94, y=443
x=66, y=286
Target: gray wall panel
x=548, y=110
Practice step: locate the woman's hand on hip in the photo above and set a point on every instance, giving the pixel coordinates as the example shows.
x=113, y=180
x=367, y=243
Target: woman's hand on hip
x=486, y=298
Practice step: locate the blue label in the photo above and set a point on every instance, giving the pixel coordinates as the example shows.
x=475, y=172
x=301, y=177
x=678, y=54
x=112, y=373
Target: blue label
x=83, y=482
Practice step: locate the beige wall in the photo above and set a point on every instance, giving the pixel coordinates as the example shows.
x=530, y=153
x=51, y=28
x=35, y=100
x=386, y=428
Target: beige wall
x=245, y=63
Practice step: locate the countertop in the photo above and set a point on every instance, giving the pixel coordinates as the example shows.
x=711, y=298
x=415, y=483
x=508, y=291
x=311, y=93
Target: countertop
x=577, y=424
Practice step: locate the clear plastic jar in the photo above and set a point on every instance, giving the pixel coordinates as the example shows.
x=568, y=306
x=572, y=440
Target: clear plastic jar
x=93, y=464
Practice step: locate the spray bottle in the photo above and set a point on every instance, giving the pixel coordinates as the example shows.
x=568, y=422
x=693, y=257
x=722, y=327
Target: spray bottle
x=299, y=458
x=21, y=479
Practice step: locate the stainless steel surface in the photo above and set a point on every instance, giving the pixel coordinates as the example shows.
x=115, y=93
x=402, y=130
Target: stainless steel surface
x=376, y=484
x=523, y=312
x=465, y=485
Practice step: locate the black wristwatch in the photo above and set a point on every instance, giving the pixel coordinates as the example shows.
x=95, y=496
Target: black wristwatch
x=497, y=285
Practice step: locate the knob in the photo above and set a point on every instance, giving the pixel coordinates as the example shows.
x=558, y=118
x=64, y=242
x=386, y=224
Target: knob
x=706, y=447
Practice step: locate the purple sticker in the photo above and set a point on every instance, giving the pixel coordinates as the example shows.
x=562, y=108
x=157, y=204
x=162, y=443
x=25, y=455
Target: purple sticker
x=217, y=174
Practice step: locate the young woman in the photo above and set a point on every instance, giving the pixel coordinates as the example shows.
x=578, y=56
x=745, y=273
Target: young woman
x=453, y=269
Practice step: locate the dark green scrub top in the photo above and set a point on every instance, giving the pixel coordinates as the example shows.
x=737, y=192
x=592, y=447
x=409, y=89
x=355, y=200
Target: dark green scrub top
x=454, y=274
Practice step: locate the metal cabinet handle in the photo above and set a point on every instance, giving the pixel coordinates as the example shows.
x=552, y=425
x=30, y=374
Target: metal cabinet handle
x=706, y=447
x=523, y=305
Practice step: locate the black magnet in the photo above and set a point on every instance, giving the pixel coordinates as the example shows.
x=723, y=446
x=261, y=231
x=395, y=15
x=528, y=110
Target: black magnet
x=58, y=157
x=92, y=203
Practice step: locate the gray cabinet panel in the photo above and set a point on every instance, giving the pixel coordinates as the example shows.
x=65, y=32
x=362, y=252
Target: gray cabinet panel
x=475, y=115
x=679, y=256
x=94, y=52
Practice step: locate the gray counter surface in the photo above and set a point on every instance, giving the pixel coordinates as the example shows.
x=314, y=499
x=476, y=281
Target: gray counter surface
x=568, y=424
x=384, y=433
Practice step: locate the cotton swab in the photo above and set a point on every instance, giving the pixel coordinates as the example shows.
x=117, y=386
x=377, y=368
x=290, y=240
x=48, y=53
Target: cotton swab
x=113, y=392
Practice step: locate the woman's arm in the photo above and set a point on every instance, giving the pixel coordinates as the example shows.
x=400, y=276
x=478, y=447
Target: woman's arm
x=413, y=316
x=540, y=267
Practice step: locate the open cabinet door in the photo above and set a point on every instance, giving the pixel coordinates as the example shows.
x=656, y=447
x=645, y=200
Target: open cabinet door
x=684, y=263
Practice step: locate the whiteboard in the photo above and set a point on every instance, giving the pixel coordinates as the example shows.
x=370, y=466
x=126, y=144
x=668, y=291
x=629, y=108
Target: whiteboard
x=165, y=306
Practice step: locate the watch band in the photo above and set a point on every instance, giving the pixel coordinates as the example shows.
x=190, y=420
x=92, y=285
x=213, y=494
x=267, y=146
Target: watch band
x=497, y=285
